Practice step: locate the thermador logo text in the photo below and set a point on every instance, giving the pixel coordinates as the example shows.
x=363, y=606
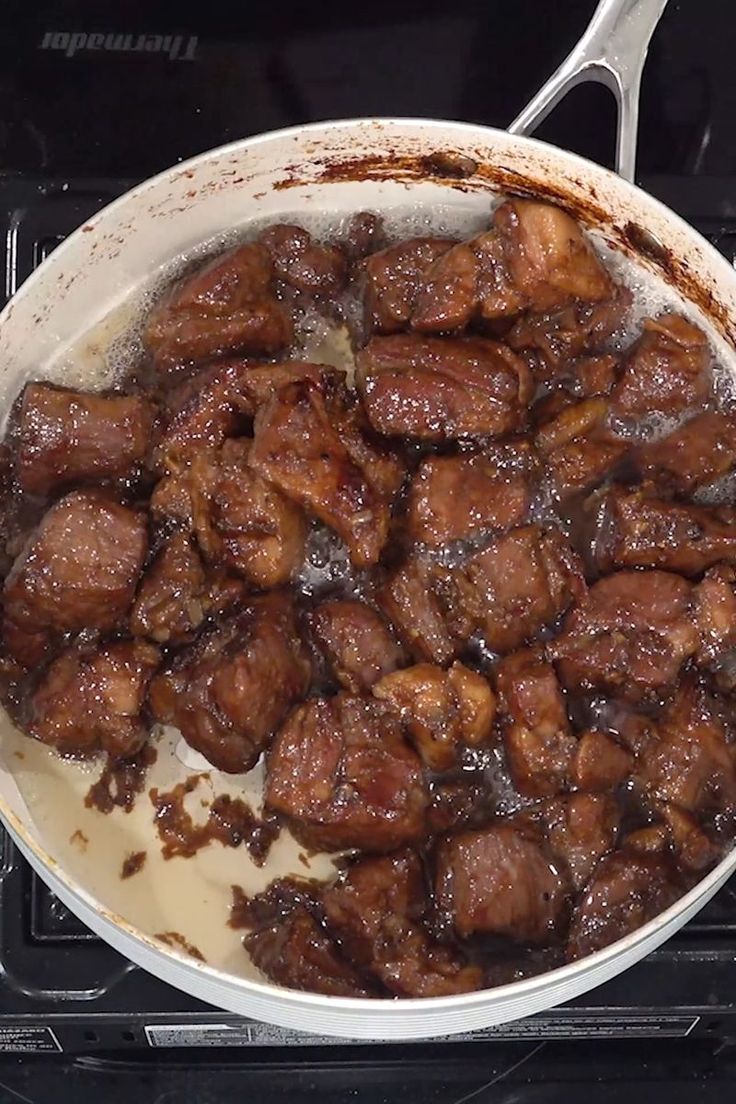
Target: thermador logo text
x=176, y=47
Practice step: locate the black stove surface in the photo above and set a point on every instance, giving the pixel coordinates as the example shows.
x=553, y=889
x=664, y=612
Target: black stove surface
x=89, y=107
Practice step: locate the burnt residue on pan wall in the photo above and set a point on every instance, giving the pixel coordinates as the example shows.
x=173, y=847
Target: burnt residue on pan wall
x=461, y=172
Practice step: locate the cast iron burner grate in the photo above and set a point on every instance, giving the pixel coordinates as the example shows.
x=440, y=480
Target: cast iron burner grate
x=63, y=988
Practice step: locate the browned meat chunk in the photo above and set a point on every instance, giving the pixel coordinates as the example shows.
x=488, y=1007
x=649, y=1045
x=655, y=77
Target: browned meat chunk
x=408, y=600
x=297, y=953
x=637, y=530
x=442, y=710
x=171, y=601
x=227, y=306
x=540, y=746
x=600, y=763
x=298, y=448
x=577, y=420
x=393, y=279
x=78, y=570
x=375, y=912
x=363, y=234
x=217, y=402
x=715, y=613
x=67, y=436
x=583, y=463
x=500, y=880
x=667, y=371
x=630, y=635
x=450, y=294
x=693, y=848
x=512, y=589
x=460, y=497
x=581, y=828
x=549, y=259
x=342, y=773
x=579, y=450
x=356, y=642
x=553, y=342
x=93, y=700
x=688, y=762
x=242, y=521
x=305, y=264
x=437, y=389
x=696, y=453
x=627, y=890
x=594, y=375
x=230, y=690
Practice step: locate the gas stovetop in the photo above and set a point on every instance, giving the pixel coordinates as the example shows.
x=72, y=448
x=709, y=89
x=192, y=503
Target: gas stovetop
x=87, y=108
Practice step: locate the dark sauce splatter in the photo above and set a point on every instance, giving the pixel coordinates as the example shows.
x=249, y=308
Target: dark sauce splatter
x=230, y=821
x=120, y=782
x=132, y=864
x=79, y=839
x=177, y=940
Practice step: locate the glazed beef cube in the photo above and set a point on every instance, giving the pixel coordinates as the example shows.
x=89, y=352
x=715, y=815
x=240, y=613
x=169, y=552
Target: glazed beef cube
x=574, y=421
x=517, y=585
x=584, y=463
x=637, y=530
x=229, y=691
x=694, y=850
x=667, y=371
x=471, y=280
x=581, y=829
x=307, y=265
x=298, y=448
x=600, y=763
x=218, y=402
x=627, y=889
x=364, y=234
x=540, y=746
x=375, y=912
x=499, y=880
x=67, y=436
x=688, y=762
x=594, y=375
x=393, y=279
x=93, y=700
x=460, y=497
x=242, y=521
x=408, y=600
x=449, y=295
x=695, y=454
x=579, y=451
x=549, y=260
x=631, y=635
x=227, y=306
x=442, y=710
x=437, y=389
x=78, y=570
x=551, y=342
x=356, y=642
x=342, y=774
x=715, y=613
x=297, y=953
x=173, y=598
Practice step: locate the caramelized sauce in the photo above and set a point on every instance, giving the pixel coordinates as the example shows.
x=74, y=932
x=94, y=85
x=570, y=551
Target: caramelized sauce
x=120, y=782
x=230, y=821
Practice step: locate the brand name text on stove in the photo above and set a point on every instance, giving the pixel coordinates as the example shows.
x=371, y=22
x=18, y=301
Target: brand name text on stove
x=175, y=46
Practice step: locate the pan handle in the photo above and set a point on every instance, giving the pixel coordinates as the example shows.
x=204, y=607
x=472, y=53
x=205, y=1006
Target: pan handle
x=612, y=51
